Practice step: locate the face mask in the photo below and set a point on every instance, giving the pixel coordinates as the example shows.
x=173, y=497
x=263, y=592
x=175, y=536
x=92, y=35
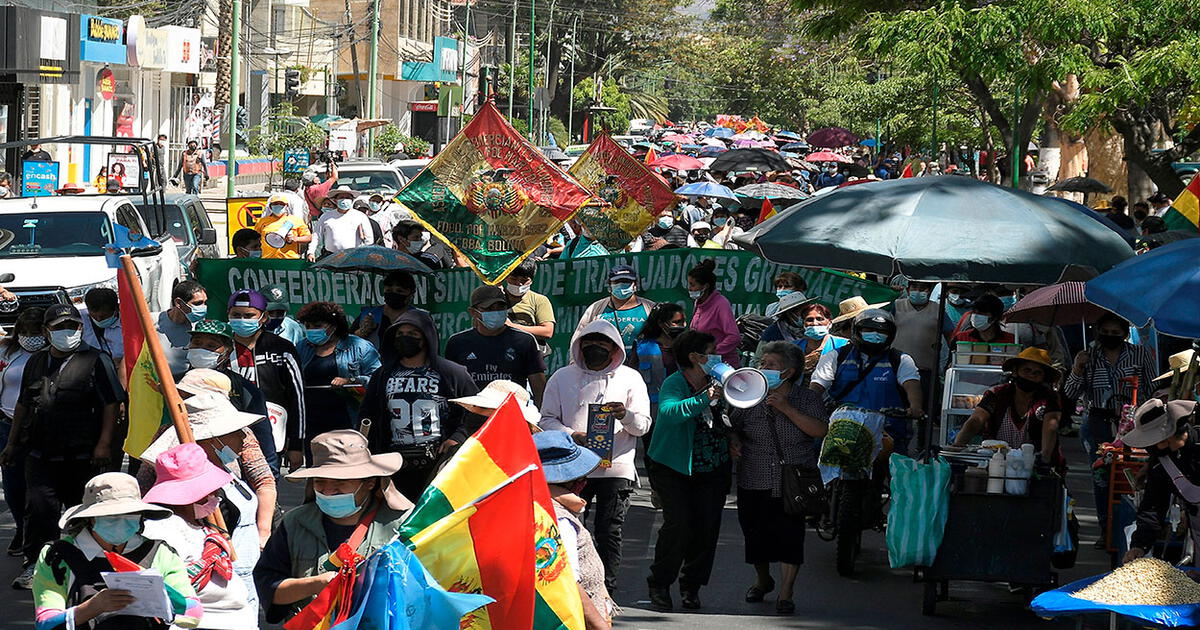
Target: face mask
x=816, y=333
x=409, y=347
x=596, y=357
x=415, y=247
x=1008, y=301
x=711, y=361
x=1024, y=384
x=203, y=510
x=3, y=191
x=622, y=290
x=720, y=222
x=254, y=253
x=1110, y=342
x=226, y=455
x=32, y=344
x=701, y=236
x=516, y=289
x=695, y=295
x=316, y=336
x=876, y=338
x=674, y=331
x=202, y=358
x=955, y=299
x=117, y=530
x=345, y=204
x=980, y=322
x=375, y=205
x=244, y=327
x=395, y=299
x=774, y=378
x=666, y=223
x=493, y=320
x=918, y=298
x=337, y=505
x=66, y=340
x=195, y=312
x=275, y=210
x=108, y=322
x=782, y=293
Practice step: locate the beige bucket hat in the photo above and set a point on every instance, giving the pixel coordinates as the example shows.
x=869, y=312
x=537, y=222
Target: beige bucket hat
x=112, y=494
x=344, y=454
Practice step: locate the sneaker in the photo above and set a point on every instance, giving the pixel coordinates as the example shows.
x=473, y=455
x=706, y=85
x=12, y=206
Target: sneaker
x=24, y=581
x=14, y=547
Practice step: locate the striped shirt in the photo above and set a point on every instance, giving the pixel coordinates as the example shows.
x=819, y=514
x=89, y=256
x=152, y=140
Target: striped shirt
x=758, y=467
x=1102, y=384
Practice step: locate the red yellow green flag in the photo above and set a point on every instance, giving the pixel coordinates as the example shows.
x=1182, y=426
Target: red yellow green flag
x=1184, y=213
x=147, y=411
x=486, y=525
x=634, y=194
x=492, y=196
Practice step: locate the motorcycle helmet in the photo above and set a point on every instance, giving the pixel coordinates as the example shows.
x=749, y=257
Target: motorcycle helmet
x=873, y=320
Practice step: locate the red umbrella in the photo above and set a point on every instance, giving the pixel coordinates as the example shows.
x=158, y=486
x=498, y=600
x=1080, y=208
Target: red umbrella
x=826, y=156
x=1055, y=305
x=678, y=162
x=833, y=137
x=677, y=137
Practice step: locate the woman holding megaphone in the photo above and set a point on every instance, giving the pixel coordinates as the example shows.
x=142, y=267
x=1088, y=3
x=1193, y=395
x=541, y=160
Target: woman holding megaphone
x=691, y=446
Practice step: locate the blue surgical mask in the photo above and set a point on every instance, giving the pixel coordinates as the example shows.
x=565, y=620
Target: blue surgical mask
x=956, y=299
x=493, y=320
x=816, y=333
x=66, y=340
x=375, y=206
x=337, y=505
x=873, y=337
x=196, y=312
x=980, y=321
x=345, y=204
x=781, y=293
x=244, y=327
x=316, y=336
x=666, y=223
x=1008, y=301
x=918, y=298
x=622, y=290
x=254, y=253
x=117, y=530
x=108, y=322
x=720, y=221
x=774, y=378
x=695, y=295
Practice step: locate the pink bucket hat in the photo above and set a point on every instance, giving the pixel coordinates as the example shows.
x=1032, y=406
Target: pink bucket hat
x=185, y=476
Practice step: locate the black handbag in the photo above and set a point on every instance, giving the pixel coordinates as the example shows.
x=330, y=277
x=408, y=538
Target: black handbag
x=802, y=489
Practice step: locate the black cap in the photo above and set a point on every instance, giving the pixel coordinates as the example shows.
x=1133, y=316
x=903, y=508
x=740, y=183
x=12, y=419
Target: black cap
x=60, y=313
x=487, y=296
x=622, y=273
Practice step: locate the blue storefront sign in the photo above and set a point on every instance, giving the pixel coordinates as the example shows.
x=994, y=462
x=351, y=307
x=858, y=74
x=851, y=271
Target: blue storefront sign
x=295, y=160
x=39, y=179
x=101, y=39
x=444, y=66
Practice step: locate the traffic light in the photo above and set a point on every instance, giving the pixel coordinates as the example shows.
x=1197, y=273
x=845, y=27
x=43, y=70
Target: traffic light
x=291, y=82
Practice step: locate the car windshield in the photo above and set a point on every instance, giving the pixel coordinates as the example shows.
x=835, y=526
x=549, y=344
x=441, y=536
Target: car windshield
x=173, y=214
x=361, y=181
x=27, y=234
x=410, y=172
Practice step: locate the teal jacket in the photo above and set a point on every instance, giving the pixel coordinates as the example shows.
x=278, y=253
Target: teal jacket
x=675, y=427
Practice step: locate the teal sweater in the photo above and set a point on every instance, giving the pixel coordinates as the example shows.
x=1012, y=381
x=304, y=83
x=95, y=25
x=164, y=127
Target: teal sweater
x=675, y=427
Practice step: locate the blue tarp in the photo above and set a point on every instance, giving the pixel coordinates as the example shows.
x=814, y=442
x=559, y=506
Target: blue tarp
x=1059, y=603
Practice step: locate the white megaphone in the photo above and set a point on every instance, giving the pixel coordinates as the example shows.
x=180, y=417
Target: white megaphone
x=744, y=387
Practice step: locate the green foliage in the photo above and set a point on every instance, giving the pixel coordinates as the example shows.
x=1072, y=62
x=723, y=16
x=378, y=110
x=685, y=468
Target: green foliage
x=388, y=136
x=284, y=130
x=611, y=95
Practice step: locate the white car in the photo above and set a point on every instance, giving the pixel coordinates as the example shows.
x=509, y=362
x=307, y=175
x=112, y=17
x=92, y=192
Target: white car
x=54, y=247
x=365, y=177
x=409, y=169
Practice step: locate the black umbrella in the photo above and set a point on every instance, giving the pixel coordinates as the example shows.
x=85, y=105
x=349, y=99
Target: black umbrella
x=1081, y=185
x=741, y=160
x=1158, y=239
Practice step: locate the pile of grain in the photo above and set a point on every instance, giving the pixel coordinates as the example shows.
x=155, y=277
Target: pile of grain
x=1143, y=582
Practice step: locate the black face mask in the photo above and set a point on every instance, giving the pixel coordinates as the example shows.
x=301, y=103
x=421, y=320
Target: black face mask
x=395, y=300
x=1110, y=342
x=409, y=347
x=1158, y=452
x=674, y=331
x=1024, y=384
x=596, y=357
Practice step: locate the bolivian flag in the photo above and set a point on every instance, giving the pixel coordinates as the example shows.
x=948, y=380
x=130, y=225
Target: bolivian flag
x=633, y=194
x=768, y=211
x=492, y=196
x=147, y=411
x=1184, y=213
x=486, y=525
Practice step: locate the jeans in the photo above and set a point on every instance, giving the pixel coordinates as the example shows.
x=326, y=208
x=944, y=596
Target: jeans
x=191, y=183
x=1095, y=430
x=687, y=541
x=12, y=479
x=608, y=500
x=51, y=486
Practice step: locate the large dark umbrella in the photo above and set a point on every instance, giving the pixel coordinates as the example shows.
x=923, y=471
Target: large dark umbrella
x=740, y=160
x=1162, y=286
x=1099, y=216
x=833, y=137
x=1081, y=185
x=1158, y=239
x=372, y=259
x=794, y=147
x=938, y=228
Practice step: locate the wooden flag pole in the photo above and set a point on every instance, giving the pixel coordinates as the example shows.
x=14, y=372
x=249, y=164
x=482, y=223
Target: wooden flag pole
x=171, y=398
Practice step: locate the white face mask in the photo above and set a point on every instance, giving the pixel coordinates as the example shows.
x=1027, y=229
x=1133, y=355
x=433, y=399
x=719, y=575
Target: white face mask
x=66, y=340
x=980, y=321
x=516, y=289
x=202, y=358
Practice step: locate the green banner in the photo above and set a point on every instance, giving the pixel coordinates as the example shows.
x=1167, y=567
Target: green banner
x=745, y=278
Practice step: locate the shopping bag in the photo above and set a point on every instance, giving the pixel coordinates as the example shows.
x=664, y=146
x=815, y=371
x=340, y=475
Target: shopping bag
x=920, y=505
x=1066, y=540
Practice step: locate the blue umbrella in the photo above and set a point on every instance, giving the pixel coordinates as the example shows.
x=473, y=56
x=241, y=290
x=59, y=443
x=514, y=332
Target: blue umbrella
x=372, y=259
x=869, y=142
x=1162, y=286
x=789, y=135
x=719, y=132
x=705, y=189
x=795, y=146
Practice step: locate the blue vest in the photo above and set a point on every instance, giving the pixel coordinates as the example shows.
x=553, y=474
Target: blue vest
x=879, y=390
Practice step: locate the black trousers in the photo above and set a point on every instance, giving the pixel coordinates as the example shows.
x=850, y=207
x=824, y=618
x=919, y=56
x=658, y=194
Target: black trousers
x=51, y=486
x=608, y=503
x=687, y=541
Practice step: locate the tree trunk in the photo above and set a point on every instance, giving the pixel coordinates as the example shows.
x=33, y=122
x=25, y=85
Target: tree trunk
x=224, y=49
x=1105, y=154
x=1141, y=129
x=1066, y=154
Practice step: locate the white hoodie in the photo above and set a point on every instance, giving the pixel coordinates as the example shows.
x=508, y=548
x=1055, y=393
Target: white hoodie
x=573, y=387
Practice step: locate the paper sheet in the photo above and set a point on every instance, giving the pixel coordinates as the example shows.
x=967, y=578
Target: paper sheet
x=148, y=590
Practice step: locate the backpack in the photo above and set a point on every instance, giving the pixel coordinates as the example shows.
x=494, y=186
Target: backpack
x=751, y=327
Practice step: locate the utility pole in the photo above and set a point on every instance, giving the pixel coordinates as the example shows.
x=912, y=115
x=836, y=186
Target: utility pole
x=462, y=66
x=571, y=84
x=372, y=80
x=512, y=62
x=234, y=83
x=545, y=108
x=532, y=54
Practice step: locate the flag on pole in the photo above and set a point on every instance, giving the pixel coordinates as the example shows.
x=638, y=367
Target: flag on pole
x=1184, y=213
x=768, y=211
x=651, y=155
x=486, y=525
x=147, y=409
x=633, y=193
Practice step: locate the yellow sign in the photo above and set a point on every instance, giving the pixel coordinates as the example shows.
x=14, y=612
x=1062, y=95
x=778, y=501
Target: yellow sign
x=242, y=213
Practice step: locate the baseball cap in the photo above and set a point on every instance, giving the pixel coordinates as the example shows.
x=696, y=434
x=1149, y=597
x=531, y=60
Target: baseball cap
x=622, y=273
x=277, y=298
x=213, y=327
x=486, y=296
x=250, y=298
x=60, y=313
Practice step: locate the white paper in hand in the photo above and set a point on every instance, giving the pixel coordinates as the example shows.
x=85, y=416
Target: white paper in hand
x=148, y=590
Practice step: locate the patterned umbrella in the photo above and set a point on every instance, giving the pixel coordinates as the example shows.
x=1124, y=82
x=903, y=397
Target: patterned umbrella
x=770, y=191
x=372, y=259
x=1055, y=305
x=745, y=160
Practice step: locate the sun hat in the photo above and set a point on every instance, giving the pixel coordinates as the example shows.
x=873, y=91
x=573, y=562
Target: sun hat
x=1155, y=421
x=212, y=327
x=562, y=459
x=250, y=298
x=210, y=415
x=793, y=300
x=344, y=454
x=852, y=306
x=185, y=476
x=111, y=494
x=277, y=198
x=1034, y=355
x=622, y=273
x=340, y=191
x=205, y=381
x=496, y=392
x=1177, y=362
x=486, y=296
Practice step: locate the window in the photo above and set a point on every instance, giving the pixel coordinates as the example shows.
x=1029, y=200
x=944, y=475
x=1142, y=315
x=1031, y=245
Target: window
x=54, y=234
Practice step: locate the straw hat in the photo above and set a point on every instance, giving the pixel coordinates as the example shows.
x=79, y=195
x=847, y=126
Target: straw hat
x=344, y=454
x=1155, y=421
x=1034, y=355
x=1177, y=362
x=112, y=494
x=494, y=395
x=210, y=415
x=850, y=307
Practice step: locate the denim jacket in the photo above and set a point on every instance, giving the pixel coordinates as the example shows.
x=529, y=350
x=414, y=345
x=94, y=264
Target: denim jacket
x=356, y=358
